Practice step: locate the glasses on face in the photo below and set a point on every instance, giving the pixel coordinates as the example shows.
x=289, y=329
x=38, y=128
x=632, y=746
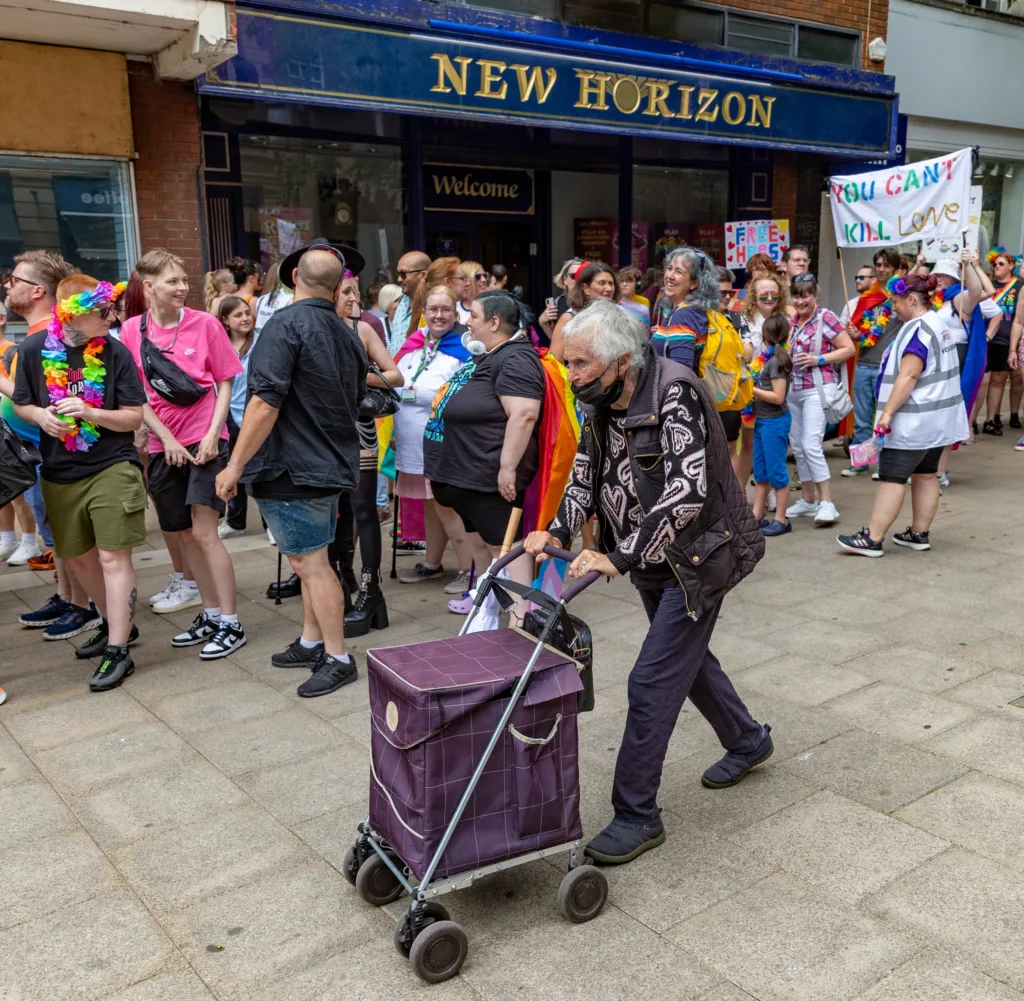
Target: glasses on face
x=11, y=279
x=439, y=311
x=481, y=277
x=106, y=312
x=768, y=297
x=727, y=293
x=402, y=275
x=864, y=278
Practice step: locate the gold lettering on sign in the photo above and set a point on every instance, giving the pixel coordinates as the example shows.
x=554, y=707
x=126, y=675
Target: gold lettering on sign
x=734, y=107
x=684, y=106
x=445, y=70
x=707, y=110
x=490, y=74
x=593, y=90
x=528, y=84
x=626, y=95
x=468, y=188
x=761, y=111
x=657, y=103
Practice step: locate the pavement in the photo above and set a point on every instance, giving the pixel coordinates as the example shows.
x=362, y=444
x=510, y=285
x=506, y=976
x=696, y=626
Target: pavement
x=181, y=838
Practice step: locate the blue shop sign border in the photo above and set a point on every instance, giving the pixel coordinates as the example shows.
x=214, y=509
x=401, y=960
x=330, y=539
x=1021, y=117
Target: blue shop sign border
x=290, y=58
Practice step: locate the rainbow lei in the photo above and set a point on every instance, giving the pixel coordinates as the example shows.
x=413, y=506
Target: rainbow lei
x=755, y=367
x=81, y=433
x=873, y=319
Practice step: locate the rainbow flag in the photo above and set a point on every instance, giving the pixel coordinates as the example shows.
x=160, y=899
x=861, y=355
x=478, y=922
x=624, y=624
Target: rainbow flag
x=557, y=438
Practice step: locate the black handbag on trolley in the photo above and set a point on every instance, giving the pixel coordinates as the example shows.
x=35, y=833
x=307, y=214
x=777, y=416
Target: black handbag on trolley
x=18, y=462
x=579, y=645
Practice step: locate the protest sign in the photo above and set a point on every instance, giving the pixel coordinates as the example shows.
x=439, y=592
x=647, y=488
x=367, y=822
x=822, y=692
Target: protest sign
x=949, y=247
x=916, y=201
x=756, y=236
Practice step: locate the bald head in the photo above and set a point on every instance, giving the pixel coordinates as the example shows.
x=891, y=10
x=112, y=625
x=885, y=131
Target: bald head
x=318, y=275
x=411, y=269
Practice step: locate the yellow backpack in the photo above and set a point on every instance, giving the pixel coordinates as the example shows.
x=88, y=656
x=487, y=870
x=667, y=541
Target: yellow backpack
x=721, y=365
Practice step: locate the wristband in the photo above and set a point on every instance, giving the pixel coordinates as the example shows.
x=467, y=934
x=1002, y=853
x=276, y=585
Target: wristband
x=821, y=361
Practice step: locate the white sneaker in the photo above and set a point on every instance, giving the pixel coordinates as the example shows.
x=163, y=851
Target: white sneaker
x=160, y=595
x=225, y=531
x=270, y=538
x=458, y=586
x=8, y=548
x=25, y=549
x=770, y=504
x=802, y=509
x=181, y=596
x=827, y=514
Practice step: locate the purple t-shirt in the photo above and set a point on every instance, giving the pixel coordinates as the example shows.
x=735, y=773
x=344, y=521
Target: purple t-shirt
x=913, y=347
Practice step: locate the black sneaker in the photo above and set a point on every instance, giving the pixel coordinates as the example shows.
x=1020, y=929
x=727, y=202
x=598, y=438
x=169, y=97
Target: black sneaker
x=912, y=540
x=329, y=675
x=990, y=427
x=862, y=544
x=96, y=644
x=1015, y=421
x=296, y=655
x=622, y=842
x=115, y=666
x=410, y=548
x=224, y=642
x=202, y=629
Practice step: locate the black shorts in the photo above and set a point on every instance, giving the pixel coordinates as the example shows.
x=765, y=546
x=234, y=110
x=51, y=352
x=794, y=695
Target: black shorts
x=732, y=421
x=175, y=489
x=481, y=511
x=896, y=464
x=998, y=357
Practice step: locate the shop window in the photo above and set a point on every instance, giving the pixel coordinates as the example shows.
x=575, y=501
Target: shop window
x=759, y=34
x=350, y=193
x=839, y=47
x=699, y=25
x=608, y=15
x=78, y=207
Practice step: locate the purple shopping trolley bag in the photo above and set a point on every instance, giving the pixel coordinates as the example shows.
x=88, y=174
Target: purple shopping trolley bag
x=434, y=706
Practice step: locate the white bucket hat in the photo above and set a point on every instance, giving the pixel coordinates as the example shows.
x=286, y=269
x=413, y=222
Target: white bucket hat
x=947, y=267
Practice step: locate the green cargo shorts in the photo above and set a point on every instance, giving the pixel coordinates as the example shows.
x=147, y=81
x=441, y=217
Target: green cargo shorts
x=107, y=510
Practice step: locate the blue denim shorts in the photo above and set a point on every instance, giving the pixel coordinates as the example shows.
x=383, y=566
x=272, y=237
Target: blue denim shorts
x=771, y=442
x=301, y=526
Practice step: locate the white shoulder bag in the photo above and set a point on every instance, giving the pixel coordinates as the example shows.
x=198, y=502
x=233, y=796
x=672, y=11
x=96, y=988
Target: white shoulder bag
x=834, y=396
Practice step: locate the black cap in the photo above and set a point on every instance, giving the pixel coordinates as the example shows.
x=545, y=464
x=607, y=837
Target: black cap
x=350, y=258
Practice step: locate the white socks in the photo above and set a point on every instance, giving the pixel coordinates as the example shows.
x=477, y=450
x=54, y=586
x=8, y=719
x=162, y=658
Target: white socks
x=229, y=620
x=8, y=538
x=213, y=614
x=309, y=644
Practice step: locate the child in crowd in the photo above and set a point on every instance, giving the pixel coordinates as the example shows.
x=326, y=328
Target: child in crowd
x=217, y=285
x=772, y=369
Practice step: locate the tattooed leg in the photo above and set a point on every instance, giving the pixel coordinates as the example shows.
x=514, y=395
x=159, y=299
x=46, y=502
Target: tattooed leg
x=131, y=604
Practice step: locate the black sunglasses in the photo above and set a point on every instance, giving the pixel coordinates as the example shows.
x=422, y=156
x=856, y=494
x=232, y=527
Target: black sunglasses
x=806, y=277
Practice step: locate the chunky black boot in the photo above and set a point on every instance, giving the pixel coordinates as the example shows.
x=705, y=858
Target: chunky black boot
x=289, y=588
x=369, y=610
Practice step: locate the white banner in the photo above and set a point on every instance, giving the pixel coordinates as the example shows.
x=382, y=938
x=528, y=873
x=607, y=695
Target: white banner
x=917, y=201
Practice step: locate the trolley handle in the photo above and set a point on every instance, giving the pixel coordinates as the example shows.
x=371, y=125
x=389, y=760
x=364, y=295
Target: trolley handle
x=561, y=554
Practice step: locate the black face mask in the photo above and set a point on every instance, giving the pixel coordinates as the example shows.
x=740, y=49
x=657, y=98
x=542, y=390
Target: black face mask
x=595, y=395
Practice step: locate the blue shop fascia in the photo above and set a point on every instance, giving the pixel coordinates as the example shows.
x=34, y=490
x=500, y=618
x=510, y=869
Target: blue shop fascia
x=502, y=138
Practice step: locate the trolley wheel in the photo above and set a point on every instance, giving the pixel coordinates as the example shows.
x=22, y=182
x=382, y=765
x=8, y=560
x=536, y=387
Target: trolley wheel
x=439, y=951
x=350, y=865
x=376, y=883
x=582, y=893
x=429, y=913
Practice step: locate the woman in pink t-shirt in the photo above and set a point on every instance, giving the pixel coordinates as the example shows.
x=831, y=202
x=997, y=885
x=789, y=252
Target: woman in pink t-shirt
x=188, y=445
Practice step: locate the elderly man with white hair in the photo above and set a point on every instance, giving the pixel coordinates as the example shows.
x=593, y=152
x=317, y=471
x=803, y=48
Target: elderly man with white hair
x=653, y=466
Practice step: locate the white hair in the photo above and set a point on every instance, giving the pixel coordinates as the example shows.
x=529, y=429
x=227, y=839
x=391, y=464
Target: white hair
x=612, y=331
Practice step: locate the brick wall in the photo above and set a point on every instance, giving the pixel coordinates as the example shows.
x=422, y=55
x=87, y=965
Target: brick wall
x=165, y=122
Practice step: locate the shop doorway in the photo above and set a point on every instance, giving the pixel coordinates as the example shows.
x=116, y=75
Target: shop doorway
x=489, y=241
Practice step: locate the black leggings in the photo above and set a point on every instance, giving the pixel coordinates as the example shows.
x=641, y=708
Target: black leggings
x=359, y=505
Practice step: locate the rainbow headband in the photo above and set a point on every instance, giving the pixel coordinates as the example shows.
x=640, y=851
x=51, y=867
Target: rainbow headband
x=896, y=286
x=998, y=251
x=86, y=302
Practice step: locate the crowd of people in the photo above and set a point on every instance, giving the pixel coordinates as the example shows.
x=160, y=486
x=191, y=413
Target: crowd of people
x=295, y=390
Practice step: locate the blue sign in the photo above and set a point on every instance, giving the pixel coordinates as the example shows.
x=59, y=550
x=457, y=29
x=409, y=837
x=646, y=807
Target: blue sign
x=288, y=58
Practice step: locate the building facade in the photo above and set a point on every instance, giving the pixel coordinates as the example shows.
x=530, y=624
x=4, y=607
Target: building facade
x=598, y=128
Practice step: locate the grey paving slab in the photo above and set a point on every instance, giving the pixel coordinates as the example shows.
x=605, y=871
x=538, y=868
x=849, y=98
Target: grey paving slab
x=992, y=743
x=727, y=992
x=180, y=985
x=15, y=765
x=978, y=812
x=837, y=644
x=75, y=719
x=332, y=834
x=152, y=683
x=879, y=773
x=989, y=691
x=52, y=680
x=153, y=800
x=795, y=728
x=917, y=667
x=111, y=756
x=274, y=928
x=932, y=976
x=963, y=904
x=176, y=868
x=31, y=810
x=838, y=845
x=82, y=952
x=899, y=713
x=999, y=650
x=782, y=940
x=806, y=681
x=196, y=712
x=42, y=875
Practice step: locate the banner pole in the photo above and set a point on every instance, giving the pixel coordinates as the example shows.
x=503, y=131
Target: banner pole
x=842, y=272
x=963, y=280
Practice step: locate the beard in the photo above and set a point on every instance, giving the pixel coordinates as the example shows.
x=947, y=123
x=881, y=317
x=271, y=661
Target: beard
x=75, y=338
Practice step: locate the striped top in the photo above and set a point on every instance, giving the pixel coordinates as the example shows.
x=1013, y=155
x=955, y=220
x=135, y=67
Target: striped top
x=682, y=336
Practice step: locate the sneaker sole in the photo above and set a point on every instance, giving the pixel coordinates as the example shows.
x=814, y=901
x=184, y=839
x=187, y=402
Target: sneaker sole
x=78, y=632
x=38, y=623
x=739, y=778
x=622, y=859
x=328, y=691
x=419, y=580
x=184, y=643
x=109, y=688
x=225, y=653
x=459, y=591
x=178, y=608
x=861, y=552
x=918, y=547
x=821, y=523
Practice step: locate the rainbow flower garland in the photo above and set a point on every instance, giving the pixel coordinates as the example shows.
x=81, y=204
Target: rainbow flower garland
x=81, y=433
x=755, y=367
x=873, y=323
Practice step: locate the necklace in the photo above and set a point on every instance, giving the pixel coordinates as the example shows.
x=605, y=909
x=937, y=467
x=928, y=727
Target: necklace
x=81, y=433
x=756, y=365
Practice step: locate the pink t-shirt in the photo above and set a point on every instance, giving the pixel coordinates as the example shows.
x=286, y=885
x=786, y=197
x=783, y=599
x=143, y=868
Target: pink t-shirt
x=203, y=350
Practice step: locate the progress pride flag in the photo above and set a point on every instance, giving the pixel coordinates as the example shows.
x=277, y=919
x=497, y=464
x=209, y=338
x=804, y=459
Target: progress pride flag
x=917, y=201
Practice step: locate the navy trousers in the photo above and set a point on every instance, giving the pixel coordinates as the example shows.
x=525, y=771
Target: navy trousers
x=674, y=664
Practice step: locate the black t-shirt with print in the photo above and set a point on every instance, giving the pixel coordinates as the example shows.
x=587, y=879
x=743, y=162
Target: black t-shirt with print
x=466, y=428
x=121, y=388
x=1009, y=305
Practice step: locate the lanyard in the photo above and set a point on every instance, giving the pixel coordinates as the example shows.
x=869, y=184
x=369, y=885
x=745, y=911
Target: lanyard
x=430, y=349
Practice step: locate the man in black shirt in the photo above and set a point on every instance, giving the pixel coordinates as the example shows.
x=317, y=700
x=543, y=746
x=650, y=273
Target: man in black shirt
x=299, y=449
x=85, y=395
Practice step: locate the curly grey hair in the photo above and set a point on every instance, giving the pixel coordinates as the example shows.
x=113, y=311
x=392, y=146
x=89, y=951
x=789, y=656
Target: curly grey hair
x=612, y=332
x=700, y=266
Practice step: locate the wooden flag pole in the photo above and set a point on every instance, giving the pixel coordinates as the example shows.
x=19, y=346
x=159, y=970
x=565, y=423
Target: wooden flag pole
x=510, y=532
x=842, y=272
x=963, y=279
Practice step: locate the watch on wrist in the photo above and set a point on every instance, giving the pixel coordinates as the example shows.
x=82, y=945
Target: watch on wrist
x=821, y=361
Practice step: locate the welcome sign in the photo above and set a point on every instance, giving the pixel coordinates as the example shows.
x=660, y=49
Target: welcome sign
x=290, y=58
x=917, y=201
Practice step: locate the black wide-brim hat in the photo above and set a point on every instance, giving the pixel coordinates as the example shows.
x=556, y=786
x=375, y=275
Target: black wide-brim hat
x=353, y=260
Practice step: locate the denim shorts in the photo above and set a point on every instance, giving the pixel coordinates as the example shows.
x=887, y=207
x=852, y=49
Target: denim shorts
x=771, y=442
x=301, y=526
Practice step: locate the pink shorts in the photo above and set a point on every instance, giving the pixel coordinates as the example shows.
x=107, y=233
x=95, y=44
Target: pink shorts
x=413, y=486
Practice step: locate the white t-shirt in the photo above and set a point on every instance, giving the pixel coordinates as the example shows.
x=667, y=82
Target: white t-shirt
x=268, y=305
x=412, y=415
x=951, y=317
x=848, y=310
